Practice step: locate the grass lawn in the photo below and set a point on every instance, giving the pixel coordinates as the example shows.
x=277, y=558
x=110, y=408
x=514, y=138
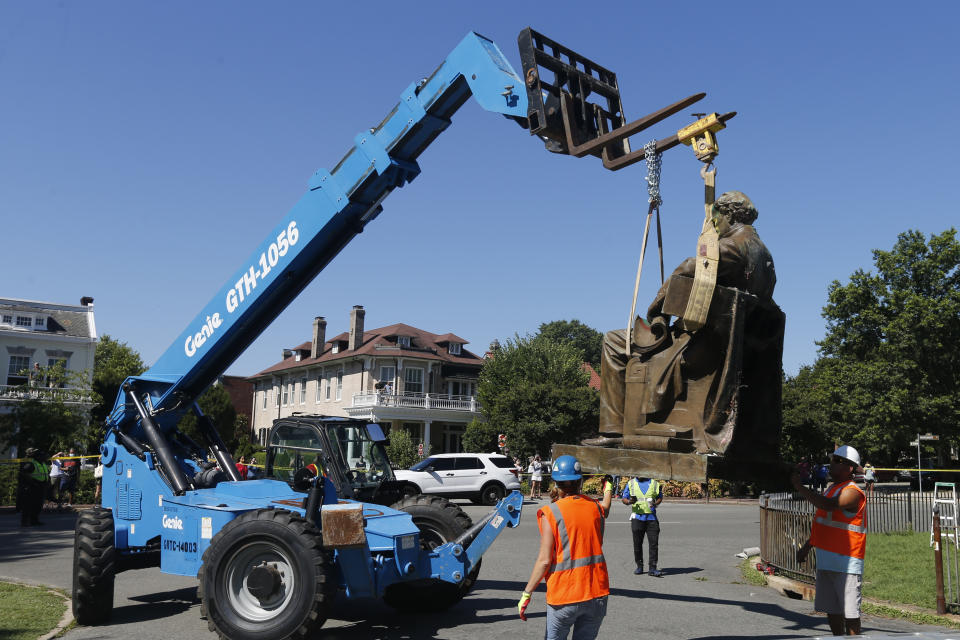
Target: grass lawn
x=26, y=613
x=899, y=568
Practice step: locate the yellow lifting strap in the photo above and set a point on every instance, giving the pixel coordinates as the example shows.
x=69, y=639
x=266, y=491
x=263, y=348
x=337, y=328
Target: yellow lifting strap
x=708, y=260
x=700, y=136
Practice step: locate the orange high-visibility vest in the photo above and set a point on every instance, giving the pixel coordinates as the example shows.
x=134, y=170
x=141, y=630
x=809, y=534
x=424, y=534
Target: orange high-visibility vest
x=839, y=531
x=578, y=571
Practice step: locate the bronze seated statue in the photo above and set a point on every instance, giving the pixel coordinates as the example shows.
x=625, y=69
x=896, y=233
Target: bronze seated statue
x=715, y=389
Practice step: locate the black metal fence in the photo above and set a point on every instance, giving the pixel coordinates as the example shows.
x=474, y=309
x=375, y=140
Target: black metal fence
x=785, y=525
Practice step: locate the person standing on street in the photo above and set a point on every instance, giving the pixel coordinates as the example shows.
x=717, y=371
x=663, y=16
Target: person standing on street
x=34, y=474
x=644, y=495
x=242, y=468
x=571, y=556
x=55, y=470
x=869, y=479
x=69, y=477
x=536, y=477
x=839, y=534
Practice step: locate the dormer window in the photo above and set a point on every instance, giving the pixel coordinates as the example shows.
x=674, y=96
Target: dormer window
x=24, y=321
x=335, y=348
x=297, y=357
x=40, y=322
x=7, y=319
x=454, y=348
x=403, y=341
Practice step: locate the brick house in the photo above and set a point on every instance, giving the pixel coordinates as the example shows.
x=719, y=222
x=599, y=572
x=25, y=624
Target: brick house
x=398, y=375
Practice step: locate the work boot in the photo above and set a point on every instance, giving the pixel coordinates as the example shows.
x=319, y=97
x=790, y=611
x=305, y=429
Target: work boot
x=656, y=573
x=638, y=571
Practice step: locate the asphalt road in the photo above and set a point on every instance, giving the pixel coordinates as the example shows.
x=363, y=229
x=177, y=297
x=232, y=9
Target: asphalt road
x=702, y=595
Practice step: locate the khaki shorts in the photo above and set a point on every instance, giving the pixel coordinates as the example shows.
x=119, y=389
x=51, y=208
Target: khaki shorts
x=838, y=593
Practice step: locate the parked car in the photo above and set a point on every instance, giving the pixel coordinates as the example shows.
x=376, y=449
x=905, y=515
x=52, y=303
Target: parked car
x=484, y=478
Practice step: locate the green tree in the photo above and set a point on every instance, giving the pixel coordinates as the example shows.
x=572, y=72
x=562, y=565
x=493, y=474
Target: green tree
x=586, y=339
x=535, y=391
x=401, y=450
x=113, y=362
x=888, y=364
x=215, y=404
x=50, y=411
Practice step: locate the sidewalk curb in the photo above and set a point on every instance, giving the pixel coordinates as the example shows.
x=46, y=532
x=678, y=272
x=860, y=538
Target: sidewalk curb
x=67, y=618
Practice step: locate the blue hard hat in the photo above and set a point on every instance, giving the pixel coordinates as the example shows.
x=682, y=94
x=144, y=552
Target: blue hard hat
x=565, y=468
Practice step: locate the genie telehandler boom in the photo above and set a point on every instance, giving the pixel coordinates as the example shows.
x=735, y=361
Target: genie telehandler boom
x=271, y=554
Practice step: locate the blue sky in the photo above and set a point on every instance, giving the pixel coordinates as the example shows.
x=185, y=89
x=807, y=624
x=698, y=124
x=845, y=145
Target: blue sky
x=147, y=148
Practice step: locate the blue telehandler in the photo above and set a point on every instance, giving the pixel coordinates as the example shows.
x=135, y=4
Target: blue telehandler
x=272, y=553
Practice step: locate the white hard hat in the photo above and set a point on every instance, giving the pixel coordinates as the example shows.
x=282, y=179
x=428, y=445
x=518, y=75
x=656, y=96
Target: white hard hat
x=848, y=453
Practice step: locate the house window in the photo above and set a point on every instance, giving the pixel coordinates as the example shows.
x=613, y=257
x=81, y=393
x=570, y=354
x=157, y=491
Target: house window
x=286, y=393
x=403, y=341
x=24, y=321
x=264, y=392
x=413, y=380
x=16, y=370
x=454, y=348
x=7, y=319
x=319, y=385
x=56, y=372
x=387, y=374
x=339, y=383
x=460, y=388
x=41, y=322
x=303, y=391
x=288, y=397
x=335, y=348
x=276, y=396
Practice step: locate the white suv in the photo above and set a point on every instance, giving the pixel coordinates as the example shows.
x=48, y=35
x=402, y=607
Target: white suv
x=482, y=477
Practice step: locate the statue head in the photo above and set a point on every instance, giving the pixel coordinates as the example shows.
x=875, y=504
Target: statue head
x=736, y=207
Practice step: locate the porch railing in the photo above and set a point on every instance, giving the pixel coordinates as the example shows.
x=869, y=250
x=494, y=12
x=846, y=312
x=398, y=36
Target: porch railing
x=66, y=394
x=414, y=400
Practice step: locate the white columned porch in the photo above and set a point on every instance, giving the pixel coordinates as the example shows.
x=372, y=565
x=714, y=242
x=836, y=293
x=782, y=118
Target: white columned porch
x=426, y=436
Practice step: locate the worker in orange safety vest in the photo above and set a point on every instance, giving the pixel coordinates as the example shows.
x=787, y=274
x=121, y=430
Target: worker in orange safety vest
x=839, y=534
x=571, y=556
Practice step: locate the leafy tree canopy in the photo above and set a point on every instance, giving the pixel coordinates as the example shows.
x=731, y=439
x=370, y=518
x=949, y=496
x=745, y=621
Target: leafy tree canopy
x=113, y=362
x=535, y=391
x=586, y=339
x=215, y=404
x=401, y=449
x=888, y=366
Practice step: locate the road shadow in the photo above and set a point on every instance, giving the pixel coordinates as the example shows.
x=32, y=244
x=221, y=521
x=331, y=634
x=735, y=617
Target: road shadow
x=156, y=606
x=20, y=543
x=677, y=571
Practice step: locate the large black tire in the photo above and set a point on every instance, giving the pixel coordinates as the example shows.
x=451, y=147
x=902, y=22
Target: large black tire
x=287, y=550
x=410, y=490
x=94, y=566
x=492, y=493
x=439, y=522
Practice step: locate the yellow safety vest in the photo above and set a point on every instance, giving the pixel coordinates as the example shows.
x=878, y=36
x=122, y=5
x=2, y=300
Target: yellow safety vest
x=40, y=471
x=641, y=506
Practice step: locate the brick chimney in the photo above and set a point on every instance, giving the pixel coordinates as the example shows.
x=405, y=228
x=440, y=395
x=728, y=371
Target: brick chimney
x=319, y=336
x=356, y=327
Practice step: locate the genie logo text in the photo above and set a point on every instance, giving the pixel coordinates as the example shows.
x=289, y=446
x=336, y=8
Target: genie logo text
x=172, y=523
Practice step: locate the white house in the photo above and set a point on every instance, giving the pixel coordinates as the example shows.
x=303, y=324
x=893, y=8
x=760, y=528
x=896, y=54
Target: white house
x=36, y=336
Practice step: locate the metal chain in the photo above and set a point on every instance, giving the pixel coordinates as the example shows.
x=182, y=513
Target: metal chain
x=653, y=173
